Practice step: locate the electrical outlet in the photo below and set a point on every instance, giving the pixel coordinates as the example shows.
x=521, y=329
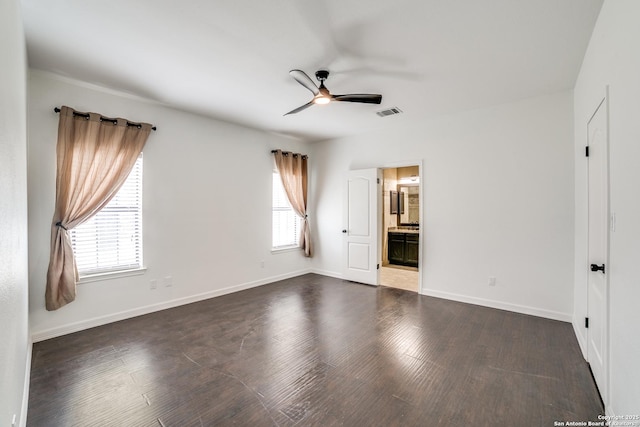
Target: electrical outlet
x=492, y=281
x=261, y=264
x=153, y=284
x=168, y=281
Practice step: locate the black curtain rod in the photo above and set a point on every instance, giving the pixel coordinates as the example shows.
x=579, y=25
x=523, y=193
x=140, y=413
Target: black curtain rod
x=286, y=153
x=102, y=119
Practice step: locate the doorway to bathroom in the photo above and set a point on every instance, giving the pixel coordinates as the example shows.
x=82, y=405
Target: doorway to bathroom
x=402, y=234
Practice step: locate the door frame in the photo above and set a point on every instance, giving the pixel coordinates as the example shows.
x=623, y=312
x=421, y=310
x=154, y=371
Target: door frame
x=604, y=388
x=404, y=164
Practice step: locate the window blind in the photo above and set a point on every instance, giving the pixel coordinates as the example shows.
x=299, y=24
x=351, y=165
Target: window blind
x=112, y=239
x=286, y=223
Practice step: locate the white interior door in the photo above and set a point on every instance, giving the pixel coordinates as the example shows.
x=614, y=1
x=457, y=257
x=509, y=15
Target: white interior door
x=361, y=232
x=598, y=239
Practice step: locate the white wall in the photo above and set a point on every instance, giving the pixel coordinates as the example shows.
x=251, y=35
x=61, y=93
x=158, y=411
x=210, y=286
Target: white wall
x=15, y=347
x=613, y=59
x=497, y=196
x=206, y=208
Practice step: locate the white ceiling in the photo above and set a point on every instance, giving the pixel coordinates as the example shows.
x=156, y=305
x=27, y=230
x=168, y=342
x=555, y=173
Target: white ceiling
x=230, y=59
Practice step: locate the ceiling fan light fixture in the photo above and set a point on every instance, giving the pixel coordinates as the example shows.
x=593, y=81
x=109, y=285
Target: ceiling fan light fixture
x=321, y=94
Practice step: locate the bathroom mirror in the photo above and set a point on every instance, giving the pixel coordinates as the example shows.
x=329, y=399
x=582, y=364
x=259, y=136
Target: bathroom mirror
x=409, y=204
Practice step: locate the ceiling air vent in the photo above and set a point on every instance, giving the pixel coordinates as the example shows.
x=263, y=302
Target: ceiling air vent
x=389, y=112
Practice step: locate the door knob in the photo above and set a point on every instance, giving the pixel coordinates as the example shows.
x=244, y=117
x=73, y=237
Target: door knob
x=596, y=267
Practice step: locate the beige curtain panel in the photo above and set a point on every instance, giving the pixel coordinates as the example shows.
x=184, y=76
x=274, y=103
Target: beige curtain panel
x=94, y=157
x=292, y=168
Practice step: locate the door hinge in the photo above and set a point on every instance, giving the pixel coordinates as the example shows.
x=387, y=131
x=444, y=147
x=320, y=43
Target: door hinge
x=586, y=151
x=586, y=322
x=378, y=180
x=378, y=267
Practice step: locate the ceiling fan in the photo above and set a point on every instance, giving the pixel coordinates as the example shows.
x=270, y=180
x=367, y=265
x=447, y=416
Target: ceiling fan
x=321, y=94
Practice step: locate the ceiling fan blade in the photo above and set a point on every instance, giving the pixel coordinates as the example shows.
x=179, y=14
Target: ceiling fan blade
x=297, y=110
x=302, y=78
x=367, y=98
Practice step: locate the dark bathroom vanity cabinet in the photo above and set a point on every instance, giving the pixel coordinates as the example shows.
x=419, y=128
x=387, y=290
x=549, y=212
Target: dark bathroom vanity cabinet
x=403, y=247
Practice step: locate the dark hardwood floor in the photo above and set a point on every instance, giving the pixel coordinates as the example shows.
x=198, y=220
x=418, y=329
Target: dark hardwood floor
x=315, y=351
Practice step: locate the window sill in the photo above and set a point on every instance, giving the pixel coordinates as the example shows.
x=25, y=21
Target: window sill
x=111, y=275
x=284, y=249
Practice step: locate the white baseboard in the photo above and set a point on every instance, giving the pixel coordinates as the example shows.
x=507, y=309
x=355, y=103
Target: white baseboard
x=103, y=320
x=25, y=387
x=523, y=309
x=127, y=314
x=564, y=317
x=580, y=338
x=326, y=273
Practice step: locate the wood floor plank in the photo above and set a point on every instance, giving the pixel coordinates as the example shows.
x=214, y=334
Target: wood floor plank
x=315, y=351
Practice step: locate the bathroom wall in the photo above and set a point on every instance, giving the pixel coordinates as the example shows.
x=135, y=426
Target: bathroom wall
x=408, y=171
x=390, y=181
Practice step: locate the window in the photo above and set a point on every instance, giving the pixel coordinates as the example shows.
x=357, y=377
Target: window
x=111, y=240
x=286, y=223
